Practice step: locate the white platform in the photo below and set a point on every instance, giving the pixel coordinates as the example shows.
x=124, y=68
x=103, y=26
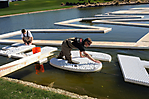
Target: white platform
x=133, y=69
x=96, y=55
x=25, y=61
x=83, y=64
x=14, y=50
x=43, y=50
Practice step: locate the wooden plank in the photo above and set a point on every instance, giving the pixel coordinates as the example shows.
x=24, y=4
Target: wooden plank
x=96, y=44
x=129, y=20
x=10, y=34
x=103, y=29
x=68, y=30
x=144, y=41
x=130, y=12
x=121, y=23
x=67, y=23
x=140, y=44
x=100, y=15
x=108, y=18
x=146, y=8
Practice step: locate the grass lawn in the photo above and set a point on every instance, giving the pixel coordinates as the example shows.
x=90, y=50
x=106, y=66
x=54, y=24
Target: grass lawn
x=30, y=6
x=12, y=90
x=36, y=5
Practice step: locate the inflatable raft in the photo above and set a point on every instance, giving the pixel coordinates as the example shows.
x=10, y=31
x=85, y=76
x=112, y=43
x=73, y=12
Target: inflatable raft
x=84, y=64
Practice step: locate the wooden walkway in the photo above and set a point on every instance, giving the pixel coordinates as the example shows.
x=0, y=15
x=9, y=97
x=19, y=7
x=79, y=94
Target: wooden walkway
x=96, y=30
x=110, y=18
x=125, y=17
x=69, y=23
x=130, y=12
x=121, y=23
x=143, y=43
x=95, y=44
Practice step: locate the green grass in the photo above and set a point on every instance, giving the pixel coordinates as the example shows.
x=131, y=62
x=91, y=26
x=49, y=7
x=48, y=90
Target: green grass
x=12, y=90
x=32, y=5
x=36, y=5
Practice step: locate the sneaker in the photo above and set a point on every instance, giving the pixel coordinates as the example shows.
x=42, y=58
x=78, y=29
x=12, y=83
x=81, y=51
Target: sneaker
x=60, y=58
x=72, y=62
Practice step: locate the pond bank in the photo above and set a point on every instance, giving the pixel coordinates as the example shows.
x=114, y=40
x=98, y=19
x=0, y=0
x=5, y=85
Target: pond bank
x=113, y=3
x=35, y=12
x=59, y=91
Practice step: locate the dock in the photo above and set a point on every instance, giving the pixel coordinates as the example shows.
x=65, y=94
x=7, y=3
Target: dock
x=140, y=8
x=130, y=12
x=25, y=61
x=96, y=30
x=10, y=34
x=140, y=44
x=69, y=23
x=129, y=20
x=125, y=17
x=110, y=18
x=143, y=43
x=121, y=23
x=134, y=69
x=109, y=15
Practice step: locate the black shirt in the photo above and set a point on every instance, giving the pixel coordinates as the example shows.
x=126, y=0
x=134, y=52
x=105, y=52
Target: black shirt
x=79, y=45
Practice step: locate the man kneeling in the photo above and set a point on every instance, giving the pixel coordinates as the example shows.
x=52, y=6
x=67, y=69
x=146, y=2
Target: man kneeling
x=73, y=43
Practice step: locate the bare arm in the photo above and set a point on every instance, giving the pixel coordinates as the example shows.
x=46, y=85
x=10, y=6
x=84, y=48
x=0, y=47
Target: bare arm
x=88, y=56
x=31, y=40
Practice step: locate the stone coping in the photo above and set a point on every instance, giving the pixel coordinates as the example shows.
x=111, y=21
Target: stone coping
x=59, y=91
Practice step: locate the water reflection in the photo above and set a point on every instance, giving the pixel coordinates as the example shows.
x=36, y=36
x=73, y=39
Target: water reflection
x=39, y=68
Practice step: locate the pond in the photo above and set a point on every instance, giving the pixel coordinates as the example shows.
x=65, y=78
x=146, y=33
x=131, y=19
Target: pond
x=109, y=82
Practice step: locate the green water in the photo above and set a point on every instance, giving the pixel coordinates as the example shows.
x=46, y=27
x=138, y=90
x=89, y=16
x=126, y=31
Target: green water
x=105, y=84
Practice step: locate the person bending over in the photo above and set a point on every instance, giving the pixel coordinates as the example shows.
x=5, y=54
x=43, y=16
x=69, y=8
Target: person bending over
x=26, y=37
x=75, y=43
